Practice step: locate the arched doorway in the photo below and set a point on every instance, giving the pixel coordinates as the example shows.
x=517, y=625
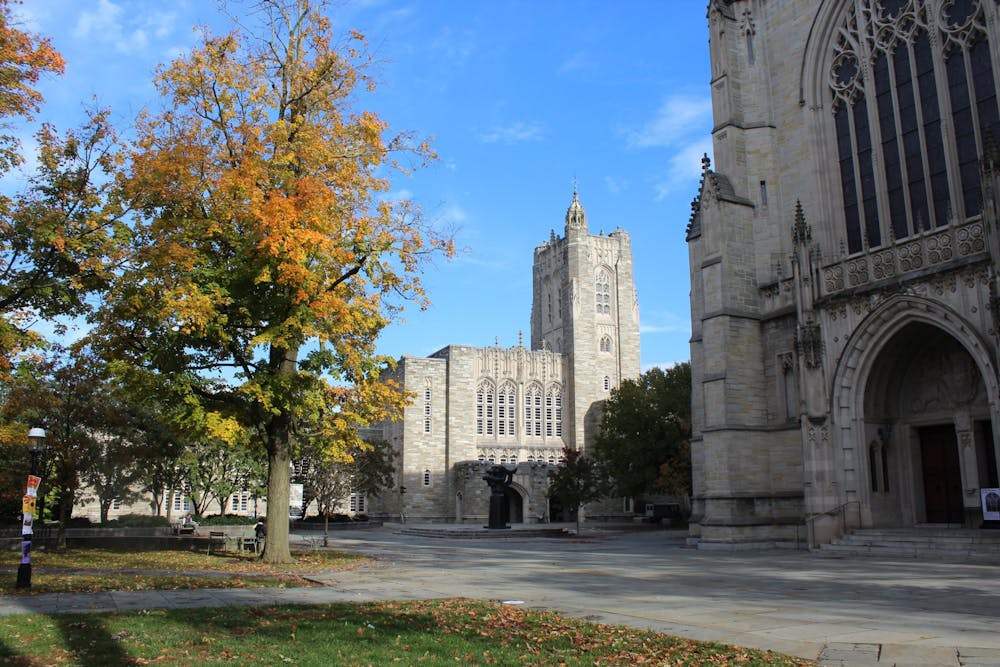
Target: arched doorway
x=927, y=432
x=515, y=505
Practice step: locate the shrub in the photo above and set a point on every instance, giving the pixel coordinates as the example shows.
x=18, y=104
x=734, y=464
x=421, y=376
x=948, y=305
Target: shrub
x=226, y=520
x=139, y=521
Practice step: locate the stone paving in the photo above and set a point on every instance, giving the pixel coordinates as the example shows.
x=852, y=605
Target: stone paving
x=845, y=612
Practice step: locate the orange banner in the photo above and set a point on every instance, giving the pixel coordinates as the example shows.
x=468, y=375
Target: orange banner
x=33, y=483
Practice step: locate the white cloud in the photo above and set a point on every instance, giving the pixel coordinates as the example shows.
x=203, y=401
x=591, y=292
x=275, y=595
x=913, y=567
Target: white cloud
x=514, y=133
x=683, y=168
x=614, y=185
x=108, y=24
x=677, y=120
x=578, y=61
x=664, y=322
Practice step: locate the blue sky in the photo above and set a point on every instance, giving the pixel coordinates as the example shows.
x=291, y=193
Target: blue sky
x=523, y=99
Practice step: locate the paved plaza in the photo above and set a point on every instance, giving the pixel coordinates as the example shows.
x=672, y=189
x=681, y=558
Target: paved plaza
x=844, y=611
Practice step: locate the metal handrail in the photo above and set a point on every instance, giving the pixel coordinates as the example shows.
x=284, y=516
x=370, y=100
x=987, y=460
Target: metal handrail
x=839, y=509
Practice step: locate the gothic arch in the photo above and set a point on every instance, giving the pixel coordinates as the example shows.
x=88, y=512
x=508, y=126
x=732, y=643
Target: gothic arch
x=871, y=343
x=869, y=340
x=812, y=75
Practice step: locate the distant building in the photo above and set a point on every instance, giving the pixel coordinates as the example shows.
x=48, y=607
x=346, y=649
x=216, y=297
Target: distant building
x=478, y=406
x=844, y=251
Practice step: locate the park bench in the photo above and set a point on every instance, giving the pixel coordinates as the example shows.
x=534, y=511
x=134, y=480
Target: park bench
x=248, y=542
x=216, y=536
x=185, y=528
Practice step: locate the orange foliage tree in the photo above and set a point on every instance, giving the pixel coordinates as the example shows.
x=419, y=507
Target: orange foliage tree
x=268, y=254
x=59, y=236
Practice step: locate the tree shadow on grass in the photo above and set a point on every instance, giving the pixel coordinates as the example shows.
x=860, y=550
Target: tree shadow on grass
x=90, y=642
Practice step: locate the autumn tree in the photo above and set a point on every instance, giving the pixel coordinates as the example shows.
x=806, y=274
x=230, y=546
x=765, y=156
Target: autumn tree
x=574, y=482
x=59, y=237
x=643, y=446
x=24, y=59
x=268, y=252
x=67, y=391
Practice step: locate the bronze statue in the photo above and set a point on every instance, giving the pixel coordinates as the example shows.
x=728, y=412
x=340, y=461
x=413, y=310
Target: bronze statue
x=499, y=478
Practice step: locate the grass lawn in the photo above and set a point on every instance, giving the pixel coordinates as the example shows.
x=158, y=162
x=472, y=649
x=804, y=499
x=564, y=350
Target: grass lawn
x=442, y=632
x=92, y=570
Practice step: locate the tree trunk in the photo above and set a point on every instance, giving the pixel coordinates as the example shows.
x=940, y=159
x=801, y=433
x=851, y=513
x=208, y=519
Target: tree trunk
x=278, y=479
x=65, y=501
x=326, y=529
x=279, y=463
x=170, y=503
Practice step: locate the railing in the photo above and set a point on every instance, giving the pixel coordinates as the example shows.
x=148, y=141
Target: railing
x=840, y=510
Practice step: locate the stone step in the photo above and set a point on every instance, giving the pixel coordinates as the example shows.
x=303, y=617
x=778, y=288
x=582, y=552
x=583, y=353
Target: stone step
x=475, y=532
x=931, y=543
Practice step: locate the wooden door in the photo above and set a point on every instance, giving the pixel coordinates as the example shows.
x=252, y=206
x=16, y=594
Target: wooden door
x=942, y=474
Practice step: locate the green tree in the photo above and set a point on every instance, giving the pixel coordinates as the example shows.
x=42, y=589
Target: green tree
x=268, y=256
x=213, y=470
x=329, y=481
x=575, y=482
x=66, y=391
x=644, y=443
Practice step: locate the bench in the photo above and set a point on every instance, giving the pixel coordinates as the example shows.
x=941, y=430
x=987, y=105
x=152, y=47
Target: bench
x=248, y=542
x=214, y=535
x=185, y=528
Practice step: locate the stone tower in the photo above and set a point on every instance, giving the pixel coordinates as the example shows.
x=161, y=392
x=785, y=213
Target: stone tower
x=584, y=306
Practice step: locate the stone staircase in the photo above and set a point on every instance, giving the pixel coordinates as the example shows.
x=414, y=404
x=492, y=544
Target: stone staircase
x=920, y=542
x=452, y=531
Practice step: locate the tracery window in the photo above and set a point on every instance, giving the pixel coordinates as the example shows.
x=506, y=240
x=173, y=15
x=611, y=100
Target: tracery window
x=602, y=293
x=485, y=409
x=533, y=411
x=909, y=156
x=506, y=410
x=605, y=344
x=553, y=413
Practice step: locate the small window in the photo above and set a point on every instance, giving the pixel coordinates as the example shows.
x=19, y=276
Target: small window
x=357, y=502
x=607, y=383
x=116, y=504
x=627, y=507
x=427, y=478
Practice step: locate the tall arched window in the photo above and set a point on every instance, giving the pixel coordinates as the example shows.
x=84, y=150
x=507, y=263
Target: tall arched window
x=605, y=343
x=602, y=292
x=533, y=411
x=486, y=409
x=909, y=157
x=553, y=412
x=506, y=410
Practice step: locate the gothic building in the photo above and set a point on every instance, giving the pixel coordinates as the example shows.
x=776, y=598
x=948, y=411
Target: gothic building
x=477, y=406
x=844, y=251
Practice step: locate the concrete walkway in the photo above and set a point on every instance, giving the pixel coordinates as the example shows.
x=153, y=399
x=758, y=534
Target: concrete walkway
x=841, y=611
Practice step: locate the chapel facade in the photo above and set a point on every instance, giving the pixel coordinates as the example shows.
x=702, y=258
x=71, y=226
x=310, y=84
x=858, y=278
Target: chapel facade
x=479, y=406
x=844, y=251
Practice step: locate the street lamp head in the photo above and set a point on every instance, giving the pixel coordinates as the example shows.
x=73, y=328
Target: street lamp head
x=36, y=439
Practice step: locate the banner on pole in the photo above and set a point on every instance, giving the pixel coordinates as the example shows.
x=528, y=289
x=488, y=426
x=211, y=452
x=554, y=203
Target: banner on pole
x=28, y=504
x=33, y=483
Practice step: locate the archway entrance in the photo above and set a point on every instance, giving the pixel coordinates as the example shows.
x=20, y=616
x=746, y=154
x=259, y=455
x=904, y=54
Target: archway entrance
x=927, y=431
x=515, y=506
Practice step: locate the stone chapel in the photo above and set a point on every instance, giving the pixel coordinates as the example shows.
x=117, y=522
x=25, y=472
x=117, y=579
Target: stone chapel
x=519, y=406
x=844, y=251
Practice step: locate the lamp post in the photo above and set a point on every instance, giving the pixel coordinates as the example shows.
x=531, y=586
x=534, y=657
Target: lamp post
x=29, y=504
